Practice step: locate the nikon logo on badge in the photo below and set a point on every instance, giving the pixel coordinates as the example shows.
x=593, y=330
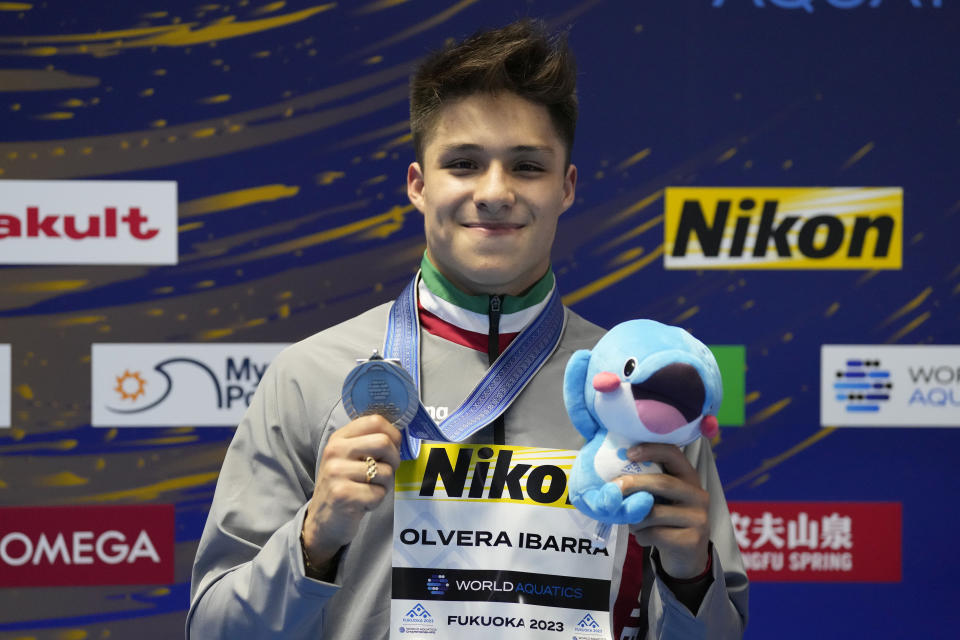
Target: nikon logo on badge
x=544, y=484
x=88, y=222
x=176, y=385
x=783, y=228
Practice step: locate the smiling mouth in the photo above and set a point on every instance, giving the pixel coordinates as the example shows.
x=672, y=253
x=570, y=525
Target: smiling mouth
x=494, y=226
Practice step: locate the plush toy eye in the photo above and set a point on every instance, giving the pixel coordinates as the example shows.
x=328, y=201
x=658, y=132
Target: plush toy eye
x=629, y=367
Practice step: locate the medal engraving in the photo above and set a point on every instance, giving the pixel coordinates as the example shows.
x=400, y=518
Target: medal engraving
x=378, y=386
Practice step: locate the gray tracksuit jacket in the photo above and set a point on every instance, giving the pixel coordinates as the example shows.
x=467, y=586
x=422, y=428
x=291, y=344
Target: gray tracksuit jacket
x=248, y=576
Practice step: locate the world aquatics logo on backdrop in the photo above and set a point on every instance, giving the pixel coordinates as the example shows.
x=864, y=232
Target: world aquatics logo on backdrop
x=862, y=385
x=890, y=385
x=176, y=384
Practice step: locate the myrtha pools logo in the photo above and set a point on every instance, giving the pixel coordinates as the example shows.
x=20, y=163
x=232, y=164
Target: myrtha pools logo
x=131, y=386
x=161, y=385
x=862, y=385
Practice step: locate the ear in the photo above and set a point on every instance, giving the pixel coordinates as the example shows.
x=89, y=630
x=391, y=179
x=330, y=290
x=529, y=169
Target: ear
x=709, y=426
x=415, y=185
x=569, y=187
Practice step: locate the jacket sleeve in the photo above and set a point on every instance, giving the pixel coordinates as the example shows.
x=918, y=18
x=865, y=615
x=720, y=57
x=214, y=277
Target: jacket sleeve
x=248, y=577
x=723, y=612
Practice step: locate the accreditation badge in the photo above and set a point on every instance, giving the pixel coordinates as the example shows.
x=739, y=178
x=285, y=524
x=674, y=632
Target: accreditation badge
x=486, y=544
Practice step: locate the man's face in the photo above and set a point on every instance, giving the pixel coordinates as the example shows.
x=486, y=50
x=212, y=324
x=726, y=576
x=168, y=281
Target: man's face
x=491, y=189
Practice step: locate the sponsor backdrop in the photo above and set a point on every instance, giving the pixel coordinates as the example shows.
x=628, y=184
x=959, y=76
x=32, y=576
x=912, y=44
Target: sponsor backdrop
x=779, y=177
x=4, y=385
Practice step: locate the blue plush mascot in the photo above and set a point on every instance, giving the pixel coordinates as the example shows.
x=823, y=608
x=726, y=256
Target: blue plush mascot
x=643, y=382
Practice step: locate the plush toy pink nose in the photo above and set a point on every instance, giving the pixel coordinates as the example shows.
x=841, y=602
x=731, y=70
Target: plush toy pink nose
x=606, y=381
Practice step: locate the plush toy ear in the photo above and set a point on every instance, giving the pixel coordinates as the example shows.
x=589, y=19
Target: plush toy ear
x=574, y=384
x=709, y=426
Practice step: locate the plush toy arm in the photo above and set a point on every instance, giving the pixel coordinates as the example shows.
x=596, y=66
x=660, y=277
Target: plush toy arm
x=574, y=384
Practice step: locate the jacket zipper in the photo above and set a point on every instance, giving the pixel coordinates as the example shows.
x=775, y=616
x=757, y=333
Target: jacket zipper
x=493, y=350
x=493, y=337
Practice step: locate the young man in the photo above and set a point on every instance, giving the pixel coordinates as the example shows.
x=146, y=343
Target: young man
x=298, y=541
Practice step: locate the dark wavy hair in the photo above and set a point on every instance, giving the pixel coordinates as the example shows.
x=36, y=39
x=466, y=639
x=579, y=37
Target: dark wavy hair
x=521, y=58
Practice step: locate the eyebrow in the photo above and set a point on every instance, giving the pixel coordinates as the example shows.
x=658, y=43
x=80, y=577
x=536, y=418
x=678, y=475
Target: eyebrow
x=520, y=148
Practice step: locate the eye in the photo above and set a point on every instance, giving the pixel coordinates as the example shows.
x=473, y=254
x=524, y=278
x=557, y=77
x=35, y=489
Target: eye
x=460, y=164
x=629, y=367
x=528, y=167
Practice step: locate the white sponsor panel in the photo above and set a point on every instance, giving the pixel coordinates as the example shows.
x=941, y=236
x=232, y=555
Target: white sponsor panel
x=88, y=222
x=4, y=385
x=197, y=385
x=890, y=385
x=486, y=545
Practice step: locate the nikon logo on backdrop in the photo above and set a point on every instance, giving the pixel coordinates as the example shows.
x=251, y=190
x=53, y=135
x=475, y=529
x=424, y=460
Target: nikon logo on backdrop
x=783, y=228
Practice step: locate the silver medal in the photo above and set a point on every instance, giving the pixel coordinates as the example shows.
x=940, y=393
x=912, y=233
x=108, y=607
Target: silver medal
x=382, y=387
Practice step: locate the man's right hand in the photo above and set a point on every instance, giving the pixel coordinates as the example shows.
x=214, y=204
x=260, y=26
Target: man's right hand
x=343, y=495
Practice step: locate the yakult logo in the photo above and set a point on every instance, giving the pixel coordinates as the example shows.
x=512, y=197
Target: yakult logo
x=88, y=222
x=173, y=385
x=74, y=546
x=49, y=226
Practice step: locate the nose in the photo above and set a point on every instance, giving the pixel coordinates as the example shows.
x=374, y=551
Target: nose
x=606, y=381
x=493, y=191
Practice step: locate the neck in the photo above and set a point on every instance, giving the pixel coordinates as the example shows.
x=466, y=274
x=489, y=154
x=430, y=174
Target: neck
x=444, y=288
x=517, y=287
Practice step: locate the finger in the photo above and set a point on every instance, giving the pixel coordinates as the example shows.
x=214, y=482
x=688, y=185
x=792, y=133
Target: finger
x=379, y=473
x=354, y=471
x=669, y=456
x=667, y=538
x=364, y=425
x=378, y=445
x=354, y=497
x=375, y=493
x=663, y=515
x=375, y=447
x=674, y=489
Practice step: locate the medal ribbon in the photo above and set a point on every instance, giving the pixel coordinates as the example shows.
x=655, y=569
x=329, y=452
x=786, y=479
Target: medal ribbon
x=498, y=388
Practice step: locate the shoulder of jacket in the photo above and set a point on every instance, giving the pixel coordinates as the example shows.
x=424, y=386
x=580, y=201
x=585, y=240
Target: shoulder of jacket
x=337, y=346
x=579, y=332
